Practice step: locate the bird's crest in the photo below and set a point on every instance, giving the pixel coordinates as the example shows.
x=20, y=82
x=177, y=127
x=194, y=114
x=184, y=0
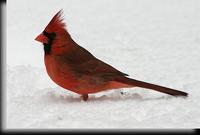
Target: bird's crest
x=56, y=24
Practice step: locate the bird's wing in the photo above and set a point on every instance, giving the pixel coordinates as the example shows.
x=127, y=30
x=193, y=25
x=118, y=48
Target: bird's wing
x=83, y=62
x=98, y=67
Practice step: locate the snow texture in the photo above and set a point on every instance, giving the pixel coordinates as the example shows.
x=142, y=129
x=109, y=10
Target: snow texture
x=151, y=40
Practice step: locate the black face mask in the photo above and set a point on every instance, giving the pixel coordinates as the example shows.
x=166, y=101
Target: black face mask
x=51, y=37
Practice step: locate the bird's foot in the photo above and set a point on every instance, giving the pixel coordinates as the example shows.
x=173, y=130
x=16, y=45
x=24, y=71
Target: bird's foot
x=84, y=97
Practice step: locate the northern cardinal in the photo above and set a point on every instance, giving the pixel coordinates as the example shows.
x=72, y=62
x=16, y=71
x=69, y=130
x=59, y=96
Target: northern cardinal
x=76, y=69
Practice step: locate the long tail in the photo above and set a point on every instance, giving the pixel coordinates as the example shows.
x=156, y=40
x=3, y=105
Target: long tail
x=142, y=84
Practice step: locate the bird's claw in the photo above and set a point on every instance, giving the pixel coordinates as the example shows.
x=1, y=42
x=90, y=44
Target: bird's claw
x=84, y=97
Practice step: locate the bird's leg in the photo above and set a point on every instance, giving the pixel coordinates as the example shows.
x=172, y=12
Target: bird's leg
x=84, y=97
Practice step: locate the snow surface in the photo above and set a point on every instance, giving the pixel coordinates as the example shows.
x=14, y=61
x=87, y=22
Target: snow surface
x=151, y=40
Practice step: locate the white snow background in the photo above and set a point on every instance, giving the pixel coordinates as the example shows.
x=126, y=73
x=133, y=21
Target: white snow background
x=157, y=41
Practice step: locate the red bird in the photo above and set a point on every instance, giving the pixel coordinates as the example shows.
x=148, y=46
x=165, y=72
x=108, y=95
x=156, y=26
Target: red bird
x=76, y=69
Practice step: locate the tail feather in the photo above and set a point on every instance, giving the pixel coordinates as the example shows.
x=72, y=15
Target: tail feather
x=155, y=87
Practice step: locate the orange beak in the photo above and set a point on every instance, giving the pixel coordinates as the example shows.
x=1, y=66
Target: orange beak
x=42, y=38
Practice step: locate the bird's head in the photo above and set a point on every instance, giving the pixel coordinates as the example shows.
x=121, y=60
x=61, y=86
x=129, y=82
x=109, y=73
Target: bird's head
x=54, y=34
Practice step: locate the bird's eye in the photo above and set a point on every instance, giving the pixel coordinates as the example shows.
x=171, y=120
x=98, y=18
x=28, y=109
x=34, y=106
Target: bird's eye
x=51, y=36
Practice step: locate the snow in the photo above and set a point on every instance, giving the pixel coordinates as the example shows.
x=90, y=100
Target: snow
x=154, y=41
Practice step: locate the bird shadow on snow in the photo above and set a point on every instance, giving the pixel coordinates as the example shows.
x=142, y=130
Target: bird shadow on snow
x=115, y=96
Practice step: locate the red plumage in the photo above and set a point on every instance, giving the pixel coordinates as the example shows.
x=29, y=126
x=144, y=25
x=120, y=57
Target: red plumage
x=56, y=24
x=76, y=69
